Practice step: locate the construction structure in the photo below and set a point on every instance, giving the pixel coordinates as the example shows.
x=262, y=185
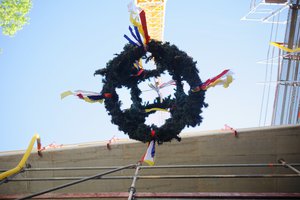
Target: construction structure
x=265, y=10
x=287, y=97
x=253, y=163
x=155, y=10
x=286, y=104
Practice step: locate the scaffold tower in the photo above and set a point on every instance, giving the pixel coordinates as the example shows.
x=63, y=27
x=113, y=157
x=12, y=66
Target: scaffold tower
x=265, y=10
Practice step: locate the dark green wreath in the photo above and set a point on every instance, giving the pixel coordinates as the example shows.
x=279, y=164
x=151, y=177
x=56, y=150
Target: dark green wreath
x=185, y=108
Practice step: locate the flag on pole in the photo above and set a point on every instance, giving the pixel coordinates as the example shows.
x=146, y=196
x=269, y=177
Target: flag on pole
x=150, y=153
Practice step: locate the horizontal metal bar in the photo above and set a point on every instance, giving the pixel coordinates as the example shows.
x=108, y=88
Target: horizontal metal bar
x=217, y=165
x=159, y=167
x=164, y=177
x=67, y=168
x=198, y=195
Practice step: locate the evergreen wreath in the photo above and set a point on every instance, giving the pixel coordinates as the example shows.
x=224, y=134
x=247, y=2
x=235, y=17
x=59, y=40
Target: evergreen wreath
x=185, y=109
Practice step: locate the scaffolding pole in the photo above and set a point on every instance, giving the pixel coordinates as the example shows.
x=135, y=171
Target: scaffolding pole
x=183, y=195
x=132, y=190
x=76, y=182
x=159, y=167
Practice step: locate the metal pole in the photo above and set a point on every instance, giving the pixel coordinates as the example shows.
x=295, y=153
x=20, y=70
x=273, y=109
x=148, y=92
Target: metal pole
x=76, y=182
x=166, y=177
x=67, y=168
x=216, y=165
x=159, y=167
x=10, y=177
x=132, y=189
x=289, y=166
x=163, y=195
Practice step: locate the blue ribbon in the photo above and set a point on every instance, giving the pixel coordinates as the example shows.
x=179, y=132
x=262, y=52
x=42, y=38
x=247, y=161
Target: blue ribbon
x=96, y=97
x=130, y=41
x=138, y=35
x=133, y=35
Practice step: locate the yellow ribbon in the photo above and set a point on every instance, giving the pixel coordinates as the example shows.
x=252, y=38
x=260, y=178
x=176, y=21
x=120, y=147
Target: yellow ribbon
x=280, y=46
x=138, y=25
x=86, y=99
x=138, y=64
x=225, y=82
x=156, y=109
x=65, y=94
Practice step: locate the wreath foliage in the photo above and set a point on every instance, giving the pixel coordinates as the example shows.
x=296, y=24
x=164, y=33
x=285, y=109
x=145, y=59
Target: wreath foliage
x=185, y=109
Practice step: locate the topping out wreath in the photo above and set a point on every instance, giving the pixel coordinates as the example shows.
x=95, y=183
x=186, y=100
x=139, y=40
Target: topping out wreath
x=125, y=70
x=184, y=108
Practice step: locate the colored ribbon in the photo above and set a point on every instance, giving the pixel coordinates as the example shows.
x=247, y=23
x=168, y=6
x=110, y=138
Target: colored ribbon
x=226, y=127
x=137, y=24
x=144, y=25
x=139, y=73
x=159, y=86
x=138, y=19
x=112, y=140
x=156, y=109
x=51, y=146
x=280, y=46
x=224, y=78
x=130, y=41
x=136, y=36
x=90, y=97
x=150, y=154
x=139, y=67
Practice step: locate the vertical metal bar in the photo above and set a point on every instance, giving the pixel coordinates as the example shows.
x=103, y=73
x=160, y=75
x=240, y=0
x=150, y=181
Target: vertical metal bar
x=132, y=189
x=289, y=39
x=289, y=166
x=76, y=182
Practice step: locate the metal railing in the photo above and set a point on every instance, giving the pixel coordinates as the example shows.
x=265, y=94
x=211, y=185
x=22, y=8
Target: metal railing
x=138, y=167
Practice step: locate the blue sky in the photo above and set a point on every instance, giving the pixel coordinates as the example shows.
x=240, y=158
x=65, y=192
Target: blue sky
x=66, y=41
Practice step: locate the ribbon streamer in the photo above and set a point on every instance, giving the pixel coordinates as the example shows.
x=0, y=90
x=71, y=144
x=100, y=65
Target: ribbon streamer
x=139, y=73
x=144, y=25
x=224, y=78
x=138, y=19
x=159, y=86
x=51, y=146
x=156, y=109
x=130, y=41
x=90, y=97
x=138, y=35
x=226, y=127
x=150, y=154
x=280, y=46
x=132, y=34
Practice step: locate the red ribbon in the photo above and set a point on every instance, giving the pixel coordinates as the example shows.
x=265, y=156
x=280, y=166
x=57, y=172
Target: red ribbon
x=139, y=73
x=107, y=95
x=231, y=129
x=144, y=25
x=209, y=81
x=152, y=133
x=80, y=96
